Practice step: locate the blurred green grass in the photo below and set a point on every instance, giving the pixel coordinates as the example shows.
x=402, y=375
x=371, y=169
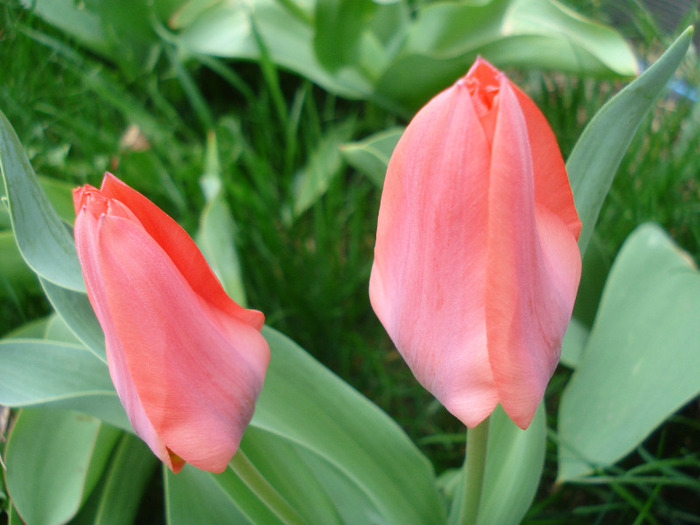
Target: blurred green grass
x=308, y=272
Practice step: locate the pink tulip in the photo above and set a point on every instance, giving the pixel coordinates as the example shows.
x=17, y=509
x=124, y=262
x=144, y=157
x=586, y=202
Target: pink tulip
x=187, y=362
x=476, y=264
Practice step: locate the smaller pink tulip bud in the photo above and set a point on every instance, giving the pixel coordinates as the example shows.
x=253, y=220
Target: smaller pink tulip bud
x=188, y=363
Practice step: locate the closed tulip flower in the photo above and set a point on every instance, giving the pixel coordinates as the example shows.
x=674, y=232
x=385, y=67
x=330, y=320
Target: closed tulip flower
x=476, y=263
x=187, y=362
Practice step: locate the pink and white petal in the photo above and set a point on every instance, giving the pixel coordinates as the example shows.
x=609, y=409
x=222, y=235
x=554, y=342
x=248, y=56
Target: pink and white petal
x=180, y=248
x=525, y=316
x=196, y=370
x=427, y=282
x=87, y=245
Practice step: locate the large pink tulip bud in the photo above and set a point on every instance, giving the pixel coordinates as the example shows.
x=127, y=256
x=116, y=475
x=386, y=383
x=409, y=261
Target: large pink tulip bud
x=476, y=264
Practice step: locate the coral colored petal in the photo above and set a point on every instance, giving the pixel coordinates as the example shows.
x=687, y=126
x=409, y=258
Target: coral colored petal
x=528, y=302
x=180, y=247
x=427, y=282
x=86, y=235
x=197, y=369
x=552, y=188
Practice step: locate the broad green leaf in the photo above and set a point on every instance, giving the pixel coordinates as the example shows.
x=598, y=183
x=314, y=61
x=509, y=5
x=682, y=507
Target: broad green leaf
x=339, y=26
x=13, y=517
x=513, y=468
x=371, y=155
x=446, y=37
x=54, y=458
x=600, y=148
x=75, y=310
x=226, y=30
x=115, y=501
x=642, y=360
x=324, y=164
x=306, y=404
x=280, y=460
x=194, y=496
x=82, y=24
x=58, y=331
x=43, y=239
x=37, y=372
x=35, y=329
x=121, y=32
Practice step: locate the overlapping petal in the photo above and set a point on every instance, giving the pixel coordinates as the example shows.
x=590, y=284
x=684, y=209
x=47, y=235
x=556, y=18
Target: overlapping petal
x=476, y=264
x=187, y=362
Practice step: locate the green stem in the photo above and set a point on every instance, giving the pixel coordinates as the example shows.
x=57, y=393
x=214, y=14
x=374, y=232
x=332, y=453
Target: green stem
x=474, y=468
x=265, y=492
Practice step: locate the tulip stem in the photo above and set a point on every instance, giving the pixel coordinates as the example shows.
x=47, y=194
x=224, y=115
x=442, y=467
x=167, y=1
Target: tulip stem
x=266, y=493
x=474, y=469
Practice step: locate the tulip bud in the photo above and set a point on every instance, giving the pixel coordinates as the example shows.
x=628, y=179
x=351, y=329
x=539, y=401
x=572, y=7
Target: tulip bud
x=476, y=264
x=188, y=363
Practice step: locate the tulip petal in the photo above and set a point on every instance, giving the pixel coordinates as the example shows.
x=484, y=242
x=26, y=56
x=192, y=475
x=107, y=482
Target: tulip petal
x=427, y=282
x=193, y=368
x=533, y=269
x=86, y=235
x=180, y=247
x=552, y=188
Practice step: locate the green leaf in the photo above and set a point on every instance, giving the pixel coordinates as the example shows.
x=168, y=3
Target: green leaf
x=306, y=404
x=116, y=500
x=514, y=463
x=339, y=27
x=121, y=32
x=371, y=155
x=446, y=37
x=600, y=148
x=35, y=329
x=54, y=459
x=513, y=468
x=280, y=460
x=325, y=163
x=227, y=30
x=75, y=310
x=216, y=240
x=194, y=496
x=37, y=372
x=642, y=360
x=217, y=228
x=43, y=239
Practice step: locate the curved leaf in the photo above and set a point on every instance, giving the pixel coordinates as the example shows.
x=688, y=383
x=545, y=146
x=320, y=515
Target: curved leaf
x=116, y=500
x=37, y=372
x=43, y=238
x=600, y=148
x=642, y=360
x=446, y=37
x=306, y=404
x=54, y=458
